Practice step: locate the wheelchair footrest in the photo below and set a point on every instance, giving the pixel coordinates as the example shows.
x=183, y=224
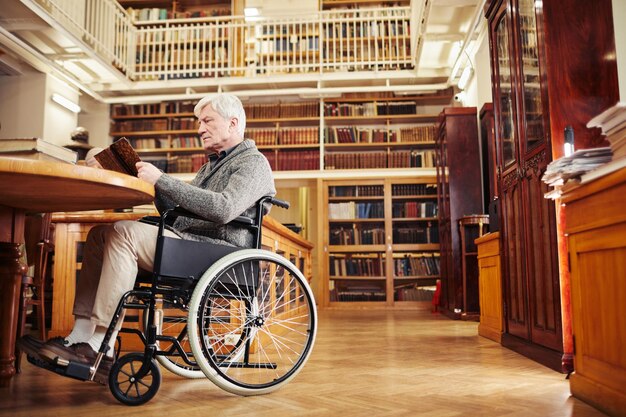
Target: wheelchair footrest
x=247, y=365
x=75, y=370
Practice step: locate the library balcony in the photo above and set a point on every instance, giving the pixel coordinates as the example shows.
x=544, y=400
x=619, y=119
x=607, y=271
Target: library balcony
x=117, y=54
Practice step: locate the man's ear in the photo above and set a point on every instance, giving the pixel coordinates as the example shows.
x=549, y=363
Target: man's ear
x=234, y=123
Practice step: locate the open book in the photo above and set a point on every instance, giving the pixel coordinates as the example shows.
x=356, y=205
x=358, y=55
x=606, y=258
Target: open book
x=120, y=157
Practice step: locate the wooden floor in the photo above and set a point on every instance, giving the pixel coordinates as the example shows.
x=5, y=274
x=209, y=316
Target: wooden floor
x=365, y=363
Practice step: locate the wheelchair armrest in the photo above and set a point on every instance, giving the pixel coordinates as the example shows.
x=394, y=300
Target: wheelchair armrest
x=181, y=212
x=244, y=221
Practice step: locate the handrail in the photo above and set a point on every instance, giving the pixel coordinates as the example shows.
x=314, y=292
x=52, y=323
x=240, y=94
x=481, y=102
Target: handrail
x=327, y=41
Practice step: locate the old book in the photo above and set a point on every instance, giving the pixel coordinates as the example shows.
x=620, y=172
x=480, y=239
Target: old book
x=119, y=156
x=36, y=148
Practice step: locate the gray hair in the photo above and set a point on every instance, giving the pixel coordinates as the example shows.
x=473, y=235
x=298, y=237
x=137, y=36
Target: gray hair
x=227, y=106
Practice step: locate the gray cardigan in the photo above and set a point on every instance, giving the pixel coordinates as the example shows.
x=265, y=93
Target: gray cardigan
x=229, y=190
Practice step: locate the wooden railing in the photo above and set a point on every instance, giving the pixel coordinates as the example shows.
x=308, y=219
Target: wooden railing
x=370, y=39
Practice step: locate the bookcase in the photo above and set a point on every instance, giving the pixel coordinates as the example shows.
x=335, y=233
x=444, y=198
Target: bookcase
x=381, y=242
x=351, y=132
x=541, y=71
x=460, y=194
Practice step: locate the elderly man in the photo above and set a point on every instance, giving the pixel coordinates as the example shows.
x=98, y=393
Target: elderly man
x=228, y=186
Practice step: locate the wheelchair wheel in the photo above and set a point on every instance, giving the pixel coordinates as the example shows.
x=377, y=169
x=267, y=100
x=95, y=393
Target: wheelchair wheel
x=171, y=321
x=130, y=388
x=252, y=322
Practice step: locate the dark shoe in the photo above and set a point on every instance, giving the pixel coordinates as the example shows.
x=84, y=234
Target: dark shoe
x=57, y=347
x=79, y=352
x=29, y=345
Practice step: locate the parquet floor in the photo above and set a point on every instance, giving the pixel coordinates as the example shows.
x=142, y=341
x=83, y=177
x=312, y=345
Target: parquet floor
x=365, y=363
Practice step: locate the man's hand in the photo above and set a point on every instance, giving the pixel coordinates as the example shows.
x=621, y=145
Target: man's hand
x=148, y=172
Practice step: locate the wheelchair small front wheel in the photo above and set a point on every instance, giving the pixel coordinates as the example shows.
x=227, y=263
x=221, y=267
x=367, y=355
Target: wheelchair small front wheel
x=128, y=386
x=252, y=322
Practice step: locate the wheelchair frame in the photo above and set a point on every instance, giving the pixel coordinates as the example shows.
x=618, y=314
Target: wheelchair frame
x=207, y=290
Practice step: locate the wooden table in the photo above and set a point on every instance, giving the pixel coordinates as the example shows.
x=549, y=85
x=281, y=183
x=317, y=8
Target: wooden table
x=39, y=186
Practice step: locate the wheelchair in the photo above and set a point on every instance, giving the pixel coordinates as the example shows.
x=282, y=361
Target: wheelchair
x=243, y=318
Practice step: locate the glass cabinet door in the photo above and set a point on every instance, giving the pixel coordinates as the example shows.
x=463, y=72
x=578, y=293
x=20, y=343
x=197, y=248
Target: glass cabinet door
x=533, y=105
x=504, y=82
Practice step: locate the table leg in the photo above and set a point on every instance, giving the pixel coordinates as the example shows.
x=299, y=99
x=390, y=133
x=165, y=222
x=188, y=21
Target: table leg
x=11, y=270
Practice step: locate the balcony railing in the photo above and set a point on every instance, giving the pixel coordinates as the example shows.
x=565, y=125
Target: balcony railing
x=346, y=40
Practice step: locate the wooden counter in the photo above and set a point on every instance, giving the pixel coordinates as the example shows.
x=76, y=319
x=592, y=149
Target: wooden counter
x=490, y=287
x=596, y=229
x=71, y=233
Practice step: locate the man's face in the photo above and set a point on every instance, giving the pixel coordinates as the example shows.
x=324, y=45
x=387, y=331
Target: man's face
x=215, y=131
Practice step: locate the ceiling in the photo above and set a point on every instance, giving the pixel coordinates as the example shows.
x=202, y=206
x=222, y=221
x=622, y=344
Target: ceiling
x=30, y=38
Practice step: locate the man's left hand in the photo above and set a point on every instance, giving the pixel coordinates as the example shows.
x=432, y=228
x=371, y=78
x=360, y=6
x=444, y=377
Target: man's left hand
x=148, y=172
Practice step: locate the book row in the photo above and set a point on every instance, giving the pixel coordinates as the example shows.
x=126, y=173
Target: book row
x=358, y=295
x=379, y=159
x=179, y=142
x=357, y=235
x=164, y=108
x=284, y=136
x=370, y=109
x=352, y=210
x=360, y=29
x=178, y=164
x=356, y=191
x=348, y=265
x=416, y=265
x=171, y=59
x=154, y=13
x=414, y=189
x=293, y=160
x=414, y=209
x=416, y=233
x=357, y=134
x=414, y=293
x=282, y=110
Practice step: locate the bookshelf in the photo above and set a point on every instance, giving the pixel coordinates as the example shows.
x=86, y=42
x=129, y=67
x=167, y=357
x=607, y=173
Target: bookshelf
x=355, y=133
x=381, y=242
x=384, y=132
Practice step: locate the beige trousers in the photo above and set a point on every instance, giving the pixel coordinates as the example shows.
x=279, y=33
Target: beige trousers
x=111, y=258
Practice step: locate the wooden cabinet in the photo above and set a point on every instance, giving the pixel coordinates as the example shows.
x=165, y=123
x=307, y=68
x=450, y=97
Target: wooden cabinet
x=71, y=234
x=381, y=243
x=545, y=76
x=596, y=228
x=459, y=194
x=490, y=287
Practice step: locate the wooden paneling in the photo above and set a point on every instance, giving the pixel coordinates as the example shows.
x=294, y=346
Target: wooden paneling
x=598, y=288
